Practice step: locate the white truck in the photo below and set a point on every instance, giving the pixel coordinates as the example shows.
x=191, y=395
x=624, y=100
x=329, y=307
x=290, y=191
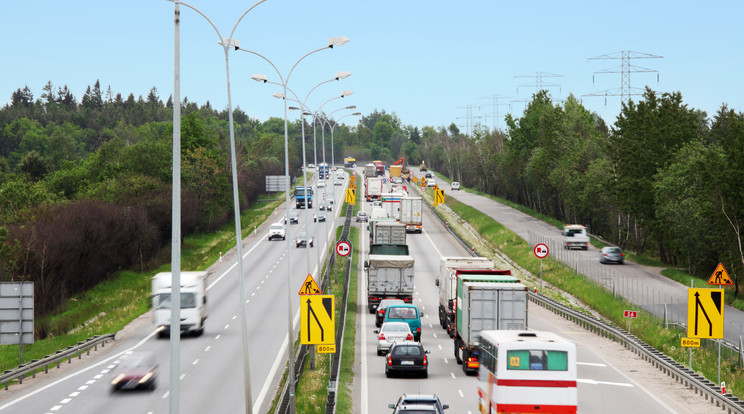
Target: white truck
x=373, y=188
x=391, y=204
x=574, y=236
x=370, y=170
x=485, y=306
x=193, y=302
x=410, y=214
x=388, y=232
x=447, y=283
x=388, y=276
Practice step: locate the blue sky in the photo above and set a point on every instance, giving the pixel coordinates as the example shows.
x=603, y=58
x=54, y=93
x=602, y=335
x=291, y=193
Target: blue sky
x=426, y=61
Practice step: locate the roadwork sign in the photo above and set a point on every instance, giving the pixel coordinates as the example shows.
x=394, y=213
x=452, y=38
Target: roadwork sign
x=438, y=197
x=351, y=196
x=720, y=276
x=317, y=320
x=309, y=287
x=705, y=313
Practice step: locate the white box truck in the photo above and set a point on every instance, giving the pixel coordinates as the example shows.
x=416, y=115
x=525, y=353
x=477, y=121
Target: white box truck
x=410, y=214
x=574, y=236
x=388, y=276
x=373, y=188
x=485, y=306
x=193, y=302
x=391, y=204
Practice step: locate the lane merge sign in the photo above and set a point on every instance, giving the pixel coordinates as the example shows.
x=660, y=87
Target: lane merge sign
x=343, y=248
x=317, y=320
x=705, y=313
x=541, y=250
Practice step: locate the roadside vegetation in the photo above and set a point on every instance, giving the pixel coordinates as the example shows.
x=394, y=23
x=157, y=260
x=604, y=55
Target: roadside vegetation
x=610, y=307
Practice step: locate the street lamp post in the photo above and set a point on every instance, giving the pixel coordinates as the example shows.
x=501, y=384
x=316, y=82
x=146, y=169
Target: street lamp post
x=175, y=363
x=334, y=123
x=334, y=41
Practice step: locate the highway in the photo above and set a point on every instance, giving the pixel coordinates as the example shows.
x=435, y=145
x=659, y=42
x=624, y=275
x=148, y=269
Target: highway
x=605, y=383
x=211, y=370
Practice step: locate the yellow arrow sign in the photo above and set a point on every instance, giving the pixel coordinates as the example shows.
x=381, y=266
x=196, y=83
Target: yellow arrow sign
x=351, y=196
x=317, y=320
x=705, y=313
x=438, y=197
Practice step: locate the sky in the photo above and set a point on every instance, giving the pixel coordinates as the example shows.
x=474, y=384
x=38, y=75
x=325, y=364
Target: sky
x=431, y=62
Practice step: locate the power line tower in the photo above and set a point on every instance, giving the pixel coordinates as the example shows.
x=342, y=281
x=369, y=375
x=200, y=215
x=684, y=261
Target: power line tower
x=540, y=84
x=468, y=118
x=625, y=69
x=495, y=120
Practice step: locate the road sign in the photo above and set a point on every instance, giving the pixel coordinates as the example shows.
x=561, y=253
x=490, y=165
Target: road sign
x=720, y=276
x=353, y=178
x=309, y=287
x=690, y=342
x=705, y=313
x=317, y=320
x=438, y=197
x=630, y=314
x=343, y=248
x=541, y=250
x=415, y=179
x=350, y=196
x=326, y=349
x=352, y=185
x=436, y=187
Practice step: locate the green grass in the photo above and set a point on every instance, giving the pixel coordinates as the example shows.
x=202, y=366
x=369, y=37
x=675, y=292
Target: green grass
x=598, y=299
x=312, y=390
x=124, y=296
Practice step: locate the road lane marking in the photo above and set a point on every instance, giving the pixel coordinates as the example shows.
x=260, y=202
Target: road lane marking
x=446, y=361
x=593, y=382
x=435, y=335
x=461, y=394
x=56, y=407
x=196, y=361
x=592, y=364
x=82, y=388
x=74, y=394
x=227, y=326
x=217, y=337
x=207, y=348
x=234, y=316
x=99, y=376
x=65, y=401
x=91, y=382
x=165, y=395
x=182, y=376
x=453, y=375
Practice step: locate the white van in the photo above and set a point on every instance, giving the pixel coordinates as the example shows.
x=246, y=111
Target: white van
x=430, y=182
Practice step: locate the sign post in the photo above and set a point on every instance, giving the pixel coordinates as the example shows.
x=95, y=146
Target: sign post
x=541, y=251
x=630, y=315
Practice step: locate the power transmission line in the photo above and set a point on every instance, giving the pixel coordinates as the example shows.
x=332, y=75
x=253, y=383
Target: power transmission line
x=495, y=105
x=540, y=84
x=625, y=69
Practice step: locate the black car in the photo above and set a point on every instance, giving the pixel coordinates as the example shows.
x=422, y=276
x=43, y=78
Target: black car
x=382, y=307
x=138, y=370
x=429, y=400
x=407, y=357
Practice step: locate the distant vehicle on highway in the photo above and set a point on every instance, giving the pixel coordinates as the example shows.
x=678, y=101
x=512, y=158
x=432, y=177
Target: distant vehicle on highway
x=319, y=217
x=430, y=182
x=611, y=255
x=277, y=230
x=455, y=185
x=407, y=357
x=139, y=370
x=421, y=399
x=303, y=239
x=293, y=218
x=382, y=308
x=391, y=333
x=321, y=184
x=362, y=217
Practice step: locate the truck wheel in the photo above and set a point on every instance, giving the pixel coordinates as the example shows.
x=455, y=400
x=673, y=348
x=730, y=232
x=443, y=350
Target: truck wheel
x=585, y=248
x=465, y=356
x=457, y=353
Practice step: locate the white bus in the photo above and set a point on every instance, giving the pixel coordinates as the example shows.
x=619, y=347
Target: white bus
x=526, y=372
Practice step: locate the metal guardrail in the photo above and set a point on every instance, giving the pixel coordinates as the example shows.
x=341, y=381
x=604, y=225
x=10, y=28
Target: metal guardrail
x=67, y=353
x=680, y=373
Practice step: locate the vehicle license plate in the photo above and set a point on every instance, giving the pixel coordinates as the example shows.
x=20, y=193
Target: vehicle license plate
x=406, y=362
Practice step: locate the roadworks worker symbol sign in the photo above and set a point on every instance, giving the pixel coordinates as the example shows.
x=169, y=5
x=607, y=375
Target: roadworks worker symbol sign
x=309, y=287
x=720, y=276
x=705, y=313
x=317, y=320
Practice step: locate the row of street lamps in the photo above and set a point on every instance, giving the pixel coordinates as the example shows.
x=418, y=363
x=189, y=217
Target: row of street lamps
x=228, y=44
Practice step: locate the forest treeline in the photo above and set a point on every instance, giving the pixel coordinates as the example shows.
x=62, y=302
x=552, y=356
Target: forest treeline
x=85, y=186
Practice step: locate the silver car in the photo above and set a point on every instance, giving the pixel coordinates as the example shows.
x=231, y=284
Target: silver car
x=611, y=255
x=390, y=333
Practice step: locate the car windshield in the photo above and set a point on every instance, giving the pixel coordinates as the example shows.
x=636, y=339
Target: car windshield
x=402, y=313
x=403, y=350
x=613, y=250
x=302, y=236
x=188, y=300
x=276, y=227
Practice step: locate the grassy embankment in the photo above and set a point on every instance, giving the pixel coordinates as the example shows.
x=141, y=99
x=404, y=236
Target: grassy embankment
x=125, y=295
x=705, y=359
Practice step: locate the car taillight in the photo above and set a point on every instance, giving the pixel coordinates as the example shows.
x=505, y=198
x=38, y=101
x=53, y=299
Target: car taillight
x=380, y=312
x=418, y=329
x=425, y=361
x=382, y=337
x=409, y=337
x=389, y=359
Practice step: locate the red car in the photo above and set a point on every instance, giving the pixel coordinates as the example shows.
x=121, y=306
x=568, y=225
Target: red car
x=137, y=370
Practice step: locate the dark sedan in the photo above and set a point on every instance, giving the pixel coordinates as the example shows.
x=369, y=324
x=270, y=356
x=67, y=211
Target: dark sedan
x=303, y=239
x=407, y=357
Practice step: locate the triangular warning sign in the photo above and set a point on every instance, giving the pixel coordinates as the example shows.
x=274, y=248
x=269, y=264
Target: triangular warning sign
x=309, y=287
x=720, y=276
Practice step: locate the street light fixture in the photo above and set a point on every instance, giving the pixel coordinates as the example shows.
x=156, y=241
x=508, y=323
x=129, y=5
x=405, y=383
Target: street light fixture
x=334, y=41
x=175, y=363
